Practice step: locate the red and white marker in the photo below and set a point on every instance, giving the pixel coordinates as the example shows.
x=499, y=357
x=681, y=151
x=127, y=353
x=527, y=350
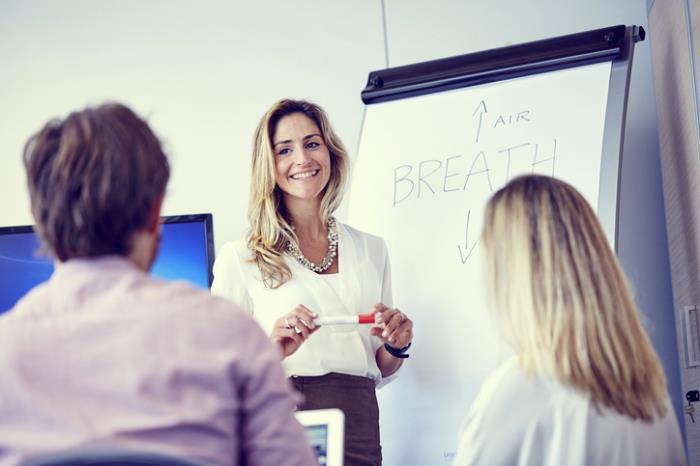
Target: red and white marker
x=345, y=320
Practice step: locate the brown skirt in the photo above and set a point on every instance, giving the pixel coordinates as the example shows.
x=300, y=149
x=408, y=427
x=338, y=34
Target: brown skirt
x=355, y=396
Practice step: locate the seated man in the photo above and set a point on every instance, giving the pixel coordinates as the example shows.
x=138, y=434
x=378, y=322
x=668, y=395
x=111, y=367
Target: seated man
x=105, y=355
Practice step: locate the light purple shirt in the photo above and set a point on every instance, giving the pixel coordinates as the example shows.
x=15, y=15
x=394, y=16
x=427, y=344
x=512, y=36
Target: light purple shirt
x=104, y=355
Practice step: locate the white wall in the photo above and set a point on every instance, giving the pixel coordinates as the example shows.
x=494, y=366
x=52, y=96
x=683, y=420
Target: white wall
x=203, y=73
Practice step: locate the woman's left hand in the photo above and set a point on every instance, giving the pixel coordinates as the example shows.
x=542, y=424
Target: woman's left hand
x=394, y=327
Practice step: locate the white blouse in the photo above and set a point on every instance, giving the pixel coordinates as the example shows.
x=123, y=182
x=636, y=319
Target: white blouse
x=363, y=280
x=519, y=419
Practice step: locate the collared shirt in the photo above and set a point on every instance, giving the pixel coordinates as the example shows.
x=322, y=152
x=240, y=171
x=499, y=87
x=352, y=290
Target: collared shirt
x=364, y=279
x=103, y=354
x=524, y=419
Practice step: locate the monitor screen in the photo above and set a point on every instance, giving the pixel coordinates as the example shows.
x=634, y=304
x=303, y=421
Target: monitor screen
x=186, y=253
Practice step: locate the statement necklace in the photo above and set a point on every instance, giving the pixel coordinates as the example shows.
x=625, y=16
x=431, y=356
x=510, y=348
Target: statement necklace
x=294, y=251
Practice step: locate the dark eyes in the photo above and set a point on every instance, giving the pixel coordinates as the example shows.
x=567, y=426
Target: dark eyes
x=311, y=145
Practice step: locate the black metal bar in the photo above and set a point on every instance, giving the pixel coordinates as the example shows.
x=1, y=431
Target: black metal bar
x=499, y=64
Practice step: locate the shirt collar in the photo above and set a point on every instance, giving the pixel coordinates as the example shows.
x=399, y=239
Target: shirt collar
x=87, y=264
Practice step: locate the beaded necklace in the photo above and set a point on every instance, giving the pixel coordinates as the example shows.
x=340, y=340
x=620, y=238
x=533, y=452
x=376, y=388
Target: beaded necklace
x=294, y=251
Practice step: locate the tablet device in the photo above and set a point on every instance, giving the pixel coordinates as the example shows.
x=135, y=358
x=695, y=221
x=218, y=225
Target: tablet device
x=325, y=430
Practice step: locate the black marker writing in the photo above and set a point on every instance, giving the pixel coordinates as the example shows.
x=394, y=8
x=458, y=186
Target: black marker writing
x=481, y=109
x=480, y=156
x=422, y=176
x=536, y=161
x=513, y=119
x=509, y=152
x=464, y=254
x=403, y=179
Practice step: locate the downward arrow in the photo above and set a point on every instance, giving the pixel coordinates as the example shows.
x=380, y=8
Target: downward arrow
x=467, y=249
x=481, y=109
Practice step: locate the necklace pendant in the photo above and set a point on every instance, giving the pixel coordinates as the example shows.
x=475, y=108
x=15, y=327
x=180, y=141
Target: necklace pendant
x=294, y=251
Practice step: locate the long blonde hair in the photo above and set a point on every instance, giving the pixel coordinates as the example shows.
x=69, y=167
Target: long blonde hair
x=270, y=229
x=561, y=298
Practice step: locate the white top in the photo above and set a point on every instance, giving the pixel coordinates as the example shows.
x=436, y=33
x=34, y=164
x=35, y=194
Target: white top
x=333, y=280
x=521, y=420
x=363, y=280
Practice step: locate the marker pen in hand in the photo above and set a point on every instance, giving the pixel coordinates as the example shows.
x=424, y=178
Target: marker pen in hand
x=345, y=320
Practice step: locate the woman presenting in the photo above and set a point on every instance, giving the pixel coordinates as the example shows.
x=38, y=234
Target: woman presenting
x=298, y=264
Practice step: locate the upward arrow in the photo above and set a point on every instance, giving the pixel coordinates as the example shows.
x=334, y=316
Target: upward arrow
x=480, y=109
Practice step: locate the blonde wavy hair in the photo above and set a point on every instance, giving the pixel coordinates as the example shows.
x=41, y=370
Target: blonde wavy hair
x=561, y=299
x=270, y=229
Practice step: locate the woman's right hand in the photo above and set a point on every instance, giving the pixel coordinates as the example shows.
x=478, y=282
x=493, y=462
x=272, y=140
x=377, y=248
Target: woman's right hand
x=293, y=329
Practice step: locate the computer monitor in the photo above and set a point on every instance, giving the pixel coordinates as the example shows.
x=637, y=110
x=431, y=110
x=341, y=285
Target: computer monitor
x=186, y=253
x=325, y=431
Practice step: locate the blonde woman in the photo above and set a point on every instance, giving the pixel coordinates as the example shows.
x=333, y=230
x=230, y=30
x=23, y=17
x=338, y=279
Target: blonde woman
x=585, y=387
x=298, y=263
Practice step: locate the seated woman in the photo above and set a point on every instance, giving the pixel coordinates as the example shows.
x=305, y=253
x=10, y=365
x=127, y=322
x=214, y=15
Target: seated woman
x=585, y=386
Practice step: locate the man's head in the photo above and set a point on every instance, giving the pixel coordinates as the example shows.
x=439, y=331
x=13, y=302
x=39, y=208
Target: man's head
x=96, y=181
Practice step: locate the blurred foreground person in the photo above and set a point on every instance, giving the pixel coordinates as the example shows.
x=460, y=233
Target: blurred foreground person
x=585, y=386
x=105, y=355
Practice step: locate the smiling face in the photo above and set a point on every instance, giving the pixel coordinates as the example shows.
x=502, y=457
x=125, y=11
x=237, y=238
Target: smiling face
x=302, y=159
